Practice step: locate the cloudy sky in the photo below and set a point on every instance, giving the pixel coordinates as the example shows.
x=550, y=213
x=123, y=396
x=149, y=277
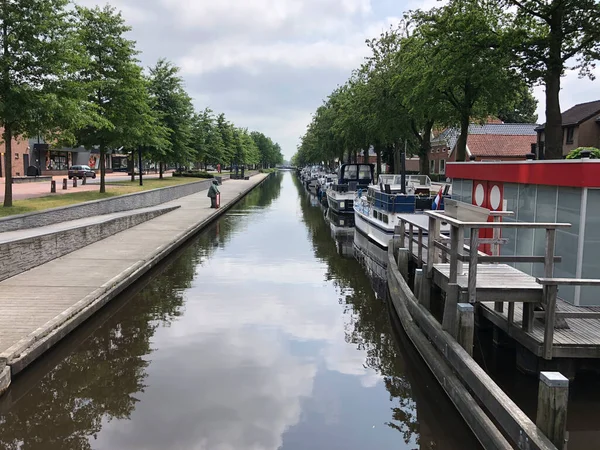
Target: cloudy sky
x=267, y=64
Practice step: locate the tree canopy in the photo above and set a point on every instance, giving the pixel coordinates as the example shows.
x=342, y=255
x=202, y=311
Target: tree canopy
x=450, y=66
x=72, y=76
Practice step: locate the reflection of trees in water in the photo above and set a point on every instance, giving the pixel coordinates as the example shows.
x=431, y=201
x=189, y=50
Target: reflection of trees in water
x=220, y=233
x=102, y=379
x=368, y=324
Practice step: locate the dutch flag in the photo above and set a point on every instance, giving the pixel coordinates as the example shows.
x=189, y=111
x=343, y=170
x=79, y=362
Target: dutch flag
x=437, y=201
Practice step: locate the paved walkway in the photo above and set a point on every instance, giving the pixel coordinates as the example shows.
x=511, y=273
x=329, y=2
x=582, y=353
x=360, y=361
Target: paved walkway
x=22, y=191
x=38, y=305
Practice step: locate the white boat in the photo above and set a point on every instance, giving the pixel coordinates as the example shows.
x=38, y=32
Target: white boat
x=340, y=195
x=377, y=210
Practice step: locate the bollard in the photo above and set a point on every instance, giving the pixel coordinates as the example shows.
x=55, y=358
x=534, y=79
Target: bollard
x=53, y=187
x=466, y=326
x=418, y=284
x=84, y=181
x=74, y=182
x=64, y=184
x=403, y=262
x=553, y=396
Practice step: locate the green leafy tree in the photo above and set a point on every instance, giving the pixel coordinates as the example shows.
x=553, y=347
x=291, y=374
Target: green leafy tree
x=207, y=139
x=521, y=108
x=227, y=136
x=174, y=109
x=119, y=92
x=470, y=60
x=39, y=58
x=550, y=37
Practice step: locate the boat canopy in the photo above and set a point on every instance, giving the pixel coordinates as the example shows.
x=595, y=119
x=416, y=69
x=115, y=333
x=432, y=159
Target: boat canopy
x=362, y=174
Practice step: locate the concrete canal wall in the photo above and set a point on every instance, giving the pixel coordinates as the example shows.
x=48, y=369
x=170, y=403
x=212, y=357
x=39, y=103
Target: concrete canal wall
x=110, y=205
x=40, y=307
x=17, y=256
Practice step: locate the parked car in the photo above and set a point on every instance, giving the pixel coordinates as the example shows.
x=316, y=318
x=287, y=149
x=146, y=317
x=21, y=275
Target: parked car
x=80, y=172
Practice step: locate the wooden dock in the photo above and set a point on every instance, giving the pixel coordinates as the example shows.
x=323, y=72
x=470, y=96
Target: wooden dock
x=526, y=308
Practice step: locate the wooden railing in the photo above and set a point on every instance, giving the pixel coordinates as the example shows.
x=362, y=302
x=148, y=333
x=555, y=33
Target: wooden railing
x=439, y=248
x=551, y=294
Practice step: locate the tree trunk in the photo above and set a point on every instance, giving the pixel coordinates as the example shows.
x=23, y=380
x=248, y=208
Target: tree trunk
x=425, y=147
x=8, y=165
x=102, y=169
x=132, y=166
x=461, y=145
x=553, y=148
x=378, y=168
x=160, y=170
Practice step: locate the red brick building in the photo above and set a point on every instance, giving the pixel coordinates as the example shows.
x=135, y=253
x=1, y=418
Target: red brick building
x=489, y=142
x=581, y=128
x=20, y=157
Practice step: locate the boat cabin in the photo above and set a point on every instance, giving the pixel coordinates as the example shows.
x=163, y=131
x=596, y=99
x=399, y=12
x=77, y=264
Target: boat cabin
x=392, y=201
x=355, y=175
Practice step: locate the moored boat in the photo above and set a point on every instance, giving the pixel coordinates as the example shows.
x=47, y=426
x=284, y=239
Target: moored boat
x=340, y=195
x=378, y=210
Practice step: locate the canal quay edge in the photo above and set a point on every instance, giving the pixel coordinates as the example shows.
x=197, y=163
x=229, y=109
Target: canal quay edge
x=27, y=349
x=490, y=413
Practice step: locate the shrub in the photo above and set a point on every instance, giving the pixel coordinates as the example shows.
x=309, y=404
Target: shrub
x=193, y=174
x=576, y=154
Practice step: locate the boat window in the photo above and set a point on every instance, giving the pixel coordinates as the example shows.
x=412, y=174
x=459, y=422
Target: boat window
x=385, y=218
x=350, y=172
x=375, y=214
x=364, y=172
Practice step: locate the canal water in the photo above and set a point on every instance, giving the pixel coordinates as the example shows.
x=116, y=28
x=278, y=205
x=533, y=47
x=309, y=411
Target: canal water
x=262, y=333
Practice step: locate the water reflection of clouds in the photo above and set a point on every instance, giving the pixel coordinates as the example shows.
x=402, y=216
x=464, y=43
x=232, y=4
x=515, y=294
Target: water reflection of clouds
x=244, y=392
x=234, y=370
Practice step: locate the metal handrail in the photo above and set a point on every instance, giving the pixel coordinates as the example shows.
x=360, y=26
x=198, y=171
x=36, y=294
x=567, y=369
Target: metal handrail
x=477, y=225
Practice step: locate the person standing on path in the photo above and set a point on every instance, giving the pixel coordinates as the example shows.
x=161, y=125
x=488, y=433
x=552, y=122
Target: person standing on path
x=213, y=191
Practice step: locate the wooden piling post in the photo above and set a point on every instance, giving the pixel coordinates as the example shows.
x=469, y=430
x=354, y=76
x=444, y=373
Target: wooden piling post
x=403, y=258
x=401, y=231
x=74, y=182
x=466, y=326
x=64, y=184
x=84, y=181
x=553, y=397
x=420, y=248
x=449, y=320
x=425, y=292
x=53, y=187
x=418, y=283
x=473, y=256
x=432, y=236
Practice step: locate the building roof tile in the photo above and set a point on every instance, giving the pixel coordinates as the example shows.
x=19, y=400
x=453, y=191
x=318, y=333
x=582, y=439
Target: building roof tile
x=579, y=113
x=488, y=145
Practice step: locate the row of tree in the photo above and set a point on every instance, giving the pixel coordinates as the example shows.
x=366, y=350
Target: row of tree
x=72, y=76
x=451, y=66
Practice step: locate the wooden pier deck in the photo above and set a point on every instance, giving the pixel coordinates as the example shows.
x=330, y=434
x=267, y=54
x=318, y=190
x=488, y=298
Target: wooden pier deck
x=580, y=340
x=526, y=308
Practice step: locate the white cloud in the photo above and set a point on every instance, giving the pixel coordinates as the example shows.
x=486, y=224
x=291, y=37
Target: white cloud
x=268, y=64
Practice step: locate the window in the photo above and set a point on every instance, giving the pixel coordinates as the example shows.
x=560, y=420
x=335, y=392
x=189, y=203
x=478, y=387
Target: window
x=442, y=166
x=385, y=218
x=432, y=166
x=570, y=135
